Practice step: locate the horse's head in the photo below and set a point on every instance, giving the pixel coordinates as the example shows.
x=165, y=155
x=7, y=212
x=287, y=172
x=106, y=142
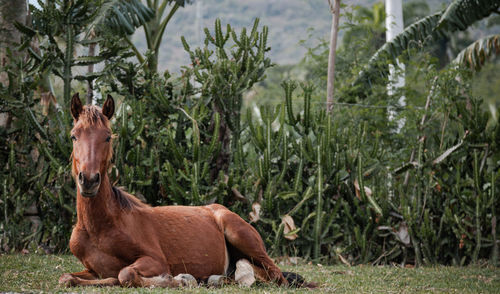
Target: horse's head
x=92, y=151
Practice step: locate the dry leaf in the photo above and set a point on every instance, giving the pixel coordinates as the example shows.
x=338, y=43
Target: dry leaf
x=403, y=235
x=368, y=191
x=238, y=195
x=343, y=259
x=289, y=227
x=255, y=213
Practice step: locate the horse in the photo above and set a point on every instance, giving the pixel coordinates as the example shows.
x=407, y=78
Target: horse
x=124, y=242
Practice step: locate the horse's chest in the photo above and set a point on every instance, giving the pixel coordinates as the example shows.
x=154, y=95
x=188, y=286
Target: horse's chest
x=117, y=244
x=114, y=245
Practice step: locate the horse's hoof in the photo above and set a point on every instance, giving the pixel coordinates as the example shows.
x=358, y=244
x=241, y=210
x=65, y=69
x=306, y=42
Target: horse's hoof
x=244, y=274
x=67, y=280
x=186, y=280
x=217, y=281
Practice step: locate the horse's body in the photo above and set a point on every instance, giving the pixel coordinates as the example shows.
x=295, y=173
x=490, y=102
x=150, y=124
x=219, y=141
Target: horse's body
x=121, y=240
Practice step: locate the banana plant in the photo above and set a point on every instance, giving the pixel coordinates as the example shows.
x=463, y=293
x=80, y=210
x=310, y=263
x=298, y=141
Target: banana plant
x=154, y=27
x=459, y=15
x=477, y=53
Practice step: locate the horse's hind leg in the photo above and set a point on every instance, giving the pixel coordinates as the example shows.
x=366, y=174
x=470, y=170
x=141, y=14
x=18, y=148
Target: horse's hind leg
x=244, y=238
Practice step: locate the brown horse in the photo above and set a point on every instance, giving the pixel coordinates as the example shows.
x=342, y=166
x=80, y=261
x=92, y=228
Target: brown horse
x=122, y=241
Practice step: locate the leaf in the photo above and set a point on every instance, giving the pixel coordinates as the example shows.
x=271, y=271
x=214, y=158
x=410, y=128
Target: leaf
x=88, y=76
x=460, y=14
x=87, y=60
x=287, y=194
x=289, y=231
x=476, y=54
x=24, y=29
x=403, y=235
x=405, y=167
x=447, y=153
x=368, y=191
x=255, y=213
x=118, y=16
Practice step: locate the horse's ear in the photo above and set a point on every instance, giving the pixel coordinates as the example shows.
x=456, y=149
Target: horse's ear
x=76, y=106
x=109, y=107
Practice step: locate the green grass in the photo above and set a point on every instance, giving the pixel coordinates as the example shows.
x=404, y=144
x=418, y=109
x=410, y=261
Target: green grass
x=40, y=273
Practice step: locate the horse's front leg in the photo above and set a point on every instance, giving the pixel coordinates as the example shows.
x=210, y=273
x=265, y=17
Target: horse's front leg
x=85, y=278
x=147, y=272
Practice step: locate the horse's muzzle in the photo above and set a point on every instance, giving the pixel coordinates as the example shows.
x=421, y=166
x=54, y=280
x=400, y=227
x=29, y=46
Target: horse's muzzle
x=89, y=186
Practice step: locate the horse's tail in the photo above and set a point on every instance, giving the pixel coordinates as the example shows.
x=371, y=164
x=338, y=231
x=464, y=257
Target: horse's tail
x=296, y=280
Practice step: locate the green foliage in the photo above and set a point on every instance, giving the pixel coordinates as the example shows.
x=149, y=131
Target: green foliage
x=37, y=191
x=340, y=187
x=226, y=76
x=460, y=14
x=65, y=21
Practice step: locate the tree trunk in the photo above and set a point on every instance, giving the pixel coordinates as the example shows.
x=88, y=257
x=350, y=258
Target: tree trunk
x=330, y=90
x=10, y=12
x=224, y=157
x=394, y=26
x=90, y=83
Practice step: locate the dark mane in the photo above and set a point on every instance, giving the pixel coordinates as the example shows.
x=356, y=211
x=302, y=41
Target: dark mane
x=126, y=200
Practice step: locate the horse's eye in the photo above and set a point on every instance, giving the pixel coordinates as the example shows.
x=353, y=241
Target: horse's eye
x=108, y=139
x=73, y=138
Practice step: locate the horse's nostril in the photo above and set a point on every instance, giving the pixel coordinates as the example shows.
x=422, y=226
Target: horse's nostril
x=81, y=179
x=96, y=178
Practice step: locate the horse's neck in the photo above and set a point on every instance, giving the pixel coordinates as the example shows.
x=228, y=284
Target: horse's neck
x=99, y=212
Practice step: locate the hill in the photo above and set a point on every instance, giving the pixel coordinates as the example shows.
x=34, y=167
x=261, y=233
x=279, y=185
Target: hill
x=289, y=22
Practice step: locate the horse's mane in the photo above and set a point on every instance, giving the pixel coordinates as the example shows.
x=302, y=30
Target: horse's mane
x=91, y=115
x=127, y=201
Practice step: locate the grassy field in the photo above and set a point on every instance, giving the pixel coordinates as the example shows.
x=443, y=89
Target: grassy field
x=39, y=273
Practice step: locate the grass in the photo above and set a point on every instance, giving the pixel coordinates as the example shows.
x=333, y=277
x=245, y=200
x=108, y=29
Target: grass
x=40, y=273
